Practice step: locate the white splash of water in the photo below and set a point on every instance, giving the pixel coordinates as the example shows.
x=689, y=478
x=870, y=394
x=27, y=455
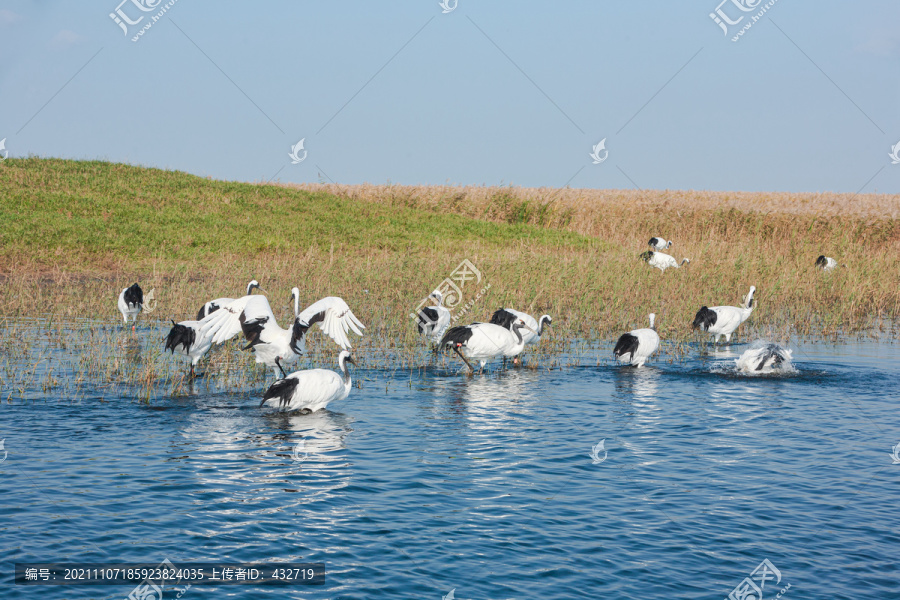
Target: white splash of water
x=765, y=358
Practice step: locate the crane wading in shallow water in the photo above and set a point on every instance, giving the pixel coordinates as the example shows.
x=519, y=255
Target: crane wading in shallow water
x=506, y=317
x=636, y=346
x=432, y=321
x=131, y=303
x=484, y=341
x=312, y=389
x=724, y=320
x=186, y=334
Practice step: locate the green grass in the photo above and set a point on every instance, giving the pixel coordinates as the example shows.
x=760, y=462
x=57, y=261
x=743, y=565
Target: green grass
x=85, y=214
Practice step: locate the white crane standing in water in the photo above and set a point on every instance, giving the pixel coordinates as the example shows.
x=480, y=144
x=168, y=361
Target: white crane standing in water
x=507, y=317
x=193, y=345
x=432, y=321
x=724, y=320
x=636, y=346
x=131, y=303
x=484, y=341
x=312, y=389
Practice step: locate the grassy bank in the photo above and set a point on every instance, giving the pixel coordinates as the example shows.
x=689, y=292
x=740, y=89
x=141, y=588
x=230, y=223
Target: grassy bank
x=76, y=233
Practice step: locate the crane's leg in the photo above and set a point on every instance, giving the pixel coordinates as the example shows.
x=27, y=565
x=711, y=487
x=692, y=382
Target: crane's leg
x=278, y=362
x=468, y=364
x=195, y=375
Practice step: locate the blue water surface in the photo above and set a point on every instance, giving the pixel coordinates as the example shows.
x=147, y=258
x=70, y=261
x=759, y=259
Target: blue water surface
x=425, y=482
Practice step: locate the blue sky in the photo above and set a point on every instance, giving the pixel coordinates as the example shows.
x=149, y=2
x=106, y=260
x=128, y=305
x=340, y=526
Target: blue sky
x=807, y=99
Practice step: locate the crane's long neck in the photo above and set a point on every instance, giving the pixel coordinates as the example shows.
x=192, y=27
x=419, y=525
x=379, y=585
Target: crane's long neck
x=520, y=340
x=540, y=330
x=296, y=305
x=345, y=373
x=749, y=304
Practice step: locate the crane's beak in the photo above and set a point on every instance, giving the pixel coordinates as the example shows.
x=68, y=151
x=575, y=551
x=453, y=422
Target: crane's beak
x=530, y=329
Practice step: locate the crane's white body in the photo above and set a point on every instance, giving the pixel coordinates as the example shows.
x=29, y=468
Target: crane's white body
x=485, y=341
x=489, y=341
x=647, y=345
x=433, y=321
x=664, y=261
x=272, y=344
x=657, y=243
x=826, y=263
x=729, y=318
x=128, y=309
x=314, y=388
x=764, y=358
x=535, y=327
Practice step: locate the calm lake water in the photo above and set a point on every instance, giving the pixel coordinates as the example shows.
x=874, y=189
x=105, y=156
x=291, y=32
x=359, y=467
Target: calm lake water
x=423, y=483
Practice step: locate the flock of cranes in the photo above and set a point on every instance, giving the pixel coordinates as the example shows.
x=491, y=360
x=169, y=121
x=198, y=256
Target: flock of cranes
x=505, y=336
x=222, y=319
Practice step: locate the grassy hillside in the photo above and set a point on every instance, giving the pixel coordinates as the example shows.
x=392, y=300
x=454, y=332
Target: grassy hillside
x=75, y=233
x=82, y=215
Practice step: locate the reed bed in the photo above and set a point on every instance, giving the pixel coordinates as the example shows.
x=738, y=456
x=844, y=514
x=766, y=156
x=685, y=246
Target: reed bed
x=734, y=240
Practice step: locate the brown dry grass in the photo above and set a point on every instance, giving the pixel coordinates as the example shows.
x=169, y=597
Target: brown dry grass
x=582, y=208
